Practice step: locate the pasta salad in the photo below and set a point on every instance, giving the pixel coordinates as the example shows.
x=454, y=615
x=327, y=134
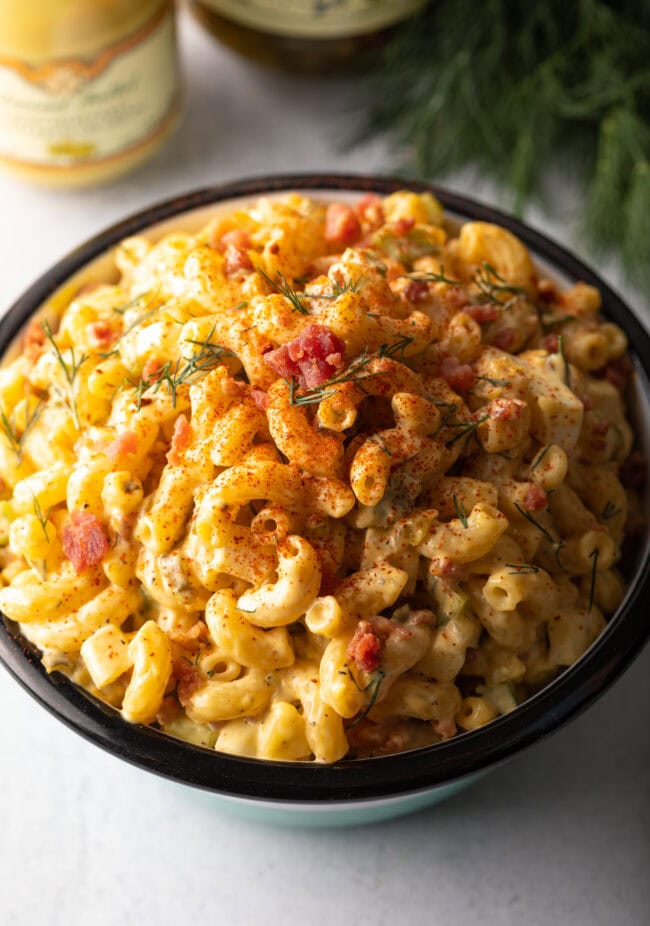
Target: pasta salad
x=322, y=480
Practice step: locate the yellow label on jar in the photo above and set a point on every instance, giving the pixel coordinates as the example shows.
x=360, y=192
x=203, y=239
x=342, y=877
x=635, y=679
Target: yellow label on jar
x=73, y=111
x=315, y=19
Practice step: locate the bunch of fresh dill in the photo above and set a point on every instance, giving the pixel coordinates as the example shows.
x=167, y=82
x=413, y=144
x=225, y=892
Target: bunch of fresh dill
x=517, y=87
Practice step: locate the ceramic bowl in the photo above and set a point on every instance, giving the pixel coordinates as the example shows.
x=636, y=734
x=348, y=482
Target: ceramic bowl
x=368, y=790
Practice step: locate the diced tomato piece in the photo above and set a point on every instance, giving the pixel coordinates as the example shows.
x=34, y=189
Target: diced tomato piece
x=547, y=291
x=444, y=567
x=455, y=297
x=446, y=728
x=365, y=648
x=237, y=259
x=551, y=343
x=402, y=226
x=311, y=358
x=102, y=333
x=370, y=210
x=124, y=443
x=504, y=339
x=237, y=238
x=260, y=398
x=482, y=313
x=535, y=499
x=617, y=372
x=33, y=340
x=189, y=679
x=180, y=440
x=417, y=291
x=84, y=540
x=151, y=370
x=342, y=227
x=460, y=376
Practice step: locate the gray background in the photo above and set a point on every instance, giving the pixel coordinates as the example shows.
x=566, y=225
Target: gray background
x=558, y=836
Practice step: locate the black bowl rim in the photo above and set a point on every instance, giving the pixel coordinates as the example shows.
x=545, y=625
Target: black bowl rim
x=358, y=780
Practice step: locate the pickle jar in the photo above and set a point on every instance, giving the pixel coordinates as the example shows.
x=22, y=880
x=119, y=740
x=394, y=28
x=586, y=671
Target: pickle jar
x=310, y=36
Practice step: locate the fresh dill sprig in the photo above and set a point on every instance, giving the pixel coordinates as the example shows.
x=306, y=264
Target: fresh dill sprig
x=432, y=277
x=184, y=370
x=553, y=321
x=610, y=510
x=460, y=511
x=521, y=568
x=378, y=439
x=121, y=309
x=398, y=346
x=283, y=286
x=42, y=518
x=70, y=370
x=338, y=289
x=138, y=321
x=468, y=429
x=592, y=590
x=210, y=354
x=540, y=456
x=534, y=521
x=494, y=382
x=491, y=285
x=10, y=430
x=374, y=686
x=557, y=85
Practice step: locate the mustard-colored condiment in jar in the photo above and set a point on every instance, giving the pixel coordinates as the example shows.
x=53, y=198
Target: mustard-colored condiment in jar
x=88, y=88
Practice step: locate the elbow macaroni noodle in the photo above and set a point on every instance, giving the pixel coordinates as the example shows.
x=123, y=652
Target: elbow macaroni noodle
x=318, y=481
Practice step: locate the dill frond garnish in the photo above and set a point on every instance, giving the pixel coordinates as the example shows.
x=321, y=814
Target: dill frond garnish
x=373, y=685
x=121, y=309
x=609, y=511
x=540, y=456
x=468, y=429
x=184, y=370
x=521, y=568
x=70, y=370
x=460, y=512
x=554, y=321
x=491, y=285
x=534, y=521
x=557, y=84
x=378, y=439
x=10, y=430
x=283, y=286
x=432, y=277
x=42, y=518
x=493, y=382
x=338, y=289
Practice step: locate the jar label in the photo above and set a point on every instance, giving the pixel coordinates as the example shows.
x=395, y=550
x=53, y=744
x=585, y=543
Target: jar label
x=315, y=19
x=73, y=112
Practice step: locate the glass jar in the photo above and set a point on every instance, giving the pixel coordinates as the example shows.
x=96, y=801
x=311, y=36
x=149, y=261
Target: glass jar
x=310, y=36
x=88, y=88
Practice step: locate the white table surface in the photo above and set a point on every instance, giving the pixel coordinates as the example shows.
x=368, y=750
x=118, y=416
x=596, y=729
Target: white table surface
x=561, y=835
